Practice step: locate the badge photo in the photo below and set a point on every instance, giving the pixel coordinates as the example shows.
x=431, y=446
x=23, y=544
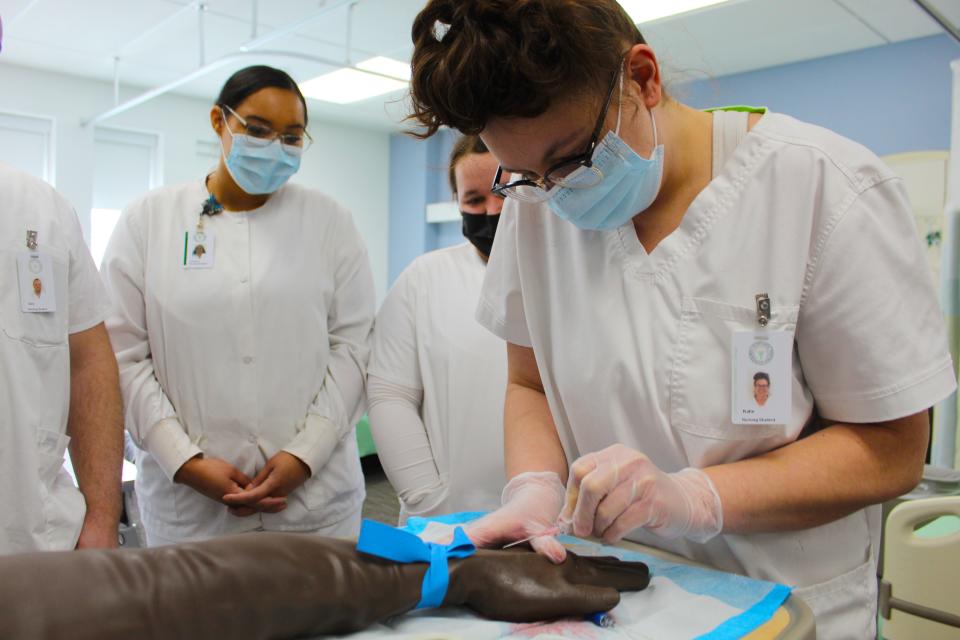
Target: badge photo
x=762, y=377
x=198, y=249
x=37, y=285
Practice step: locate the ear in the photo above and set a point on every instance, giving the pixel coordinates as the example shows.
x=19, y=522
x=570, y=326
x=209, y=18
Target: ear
x=217, y=119
x=643, y=70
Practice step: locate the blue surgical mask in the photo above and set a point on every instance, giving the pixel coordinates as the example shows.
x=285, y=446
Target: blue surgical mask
x=630, y=184
x=260, y=168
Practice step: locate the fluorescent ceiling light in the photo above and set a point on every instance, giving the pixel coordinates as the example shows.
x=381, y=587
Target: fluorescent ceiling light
x=649, y=10
x=347, y=85
x=387, y=67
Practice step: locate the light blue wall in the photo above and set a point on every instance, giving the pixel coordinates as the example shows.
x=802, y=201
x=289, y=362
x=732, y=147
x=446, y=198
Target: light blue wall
x=891, y=99
x=418, y=176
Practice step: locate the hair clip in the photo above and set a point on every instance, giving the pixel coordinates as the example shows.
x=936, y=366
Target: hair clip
x=211, y=206
x=440, y=30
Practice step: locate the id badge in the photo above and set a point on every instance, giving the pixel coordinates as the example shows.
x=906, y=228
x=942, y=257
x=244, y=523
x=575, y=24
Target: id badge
x=35, y=277
x=198, y=249
x=762, y=377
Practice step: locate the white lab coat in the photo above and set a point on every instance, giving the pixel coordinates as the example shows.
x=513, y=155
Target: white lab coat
x=443, y=453
x=266, y=350
x=635, y=348
x=41, y=507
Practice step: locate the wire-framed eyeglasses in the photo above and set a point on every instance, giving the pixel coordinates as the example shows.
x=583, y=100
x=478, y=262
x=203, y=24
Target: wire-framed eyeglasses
x=262, y=135
x=576, y=171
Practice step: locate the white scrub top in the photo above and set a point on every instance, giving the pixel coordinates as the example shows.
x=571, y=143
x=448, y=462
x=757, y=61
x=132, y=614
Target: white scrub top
x=241, y=359
x=427, y=340
x=635, y=348
x=41, y=507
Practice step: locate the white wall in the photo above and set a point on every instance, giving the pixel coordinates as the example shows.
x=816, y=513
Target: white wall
x=348, y=163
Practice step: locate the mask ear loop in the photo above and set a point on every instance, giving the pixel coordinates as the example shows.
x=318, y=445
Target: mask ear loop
x=619, y=103
x=653, y=121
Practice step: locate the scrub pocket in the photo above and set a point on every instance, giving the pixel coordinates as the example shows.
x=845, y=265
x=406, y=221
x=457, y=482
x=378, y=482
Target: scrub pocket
x=700, y=384
x=328, y=492
x=844, y=607
x=51, y=447
x=35, y=329
x=61, y=504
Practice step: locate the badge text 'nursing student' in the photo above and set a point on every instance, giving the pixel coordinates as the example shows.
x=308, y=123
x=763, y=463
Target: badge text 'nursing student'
x=198, y=249
x=36, y=279
x=762, y=373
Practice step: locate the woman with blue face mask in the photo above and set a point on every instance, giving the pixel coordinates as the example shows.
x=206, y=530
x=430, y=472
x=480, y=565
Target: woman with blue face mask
x=651, y=260
x=243, y=304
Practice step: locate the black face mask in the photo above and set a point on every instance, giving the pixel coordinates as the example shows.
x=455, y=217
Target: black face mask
x=479, y=229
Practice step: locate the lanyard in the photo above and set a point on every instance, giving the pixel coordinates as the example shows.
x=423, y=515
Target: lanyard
x=211, y=207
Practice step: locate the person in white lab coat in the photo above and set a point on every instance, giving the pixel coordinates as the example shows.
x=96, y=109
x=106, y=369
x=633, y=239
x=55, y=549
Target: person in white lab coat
x=242, y=366
x=58, y=378
x=436, y=377
x=651, y=258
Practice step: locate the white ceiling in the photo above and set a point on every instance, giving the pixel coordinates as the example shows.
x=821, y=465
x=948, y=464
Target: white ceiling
x=157, y=41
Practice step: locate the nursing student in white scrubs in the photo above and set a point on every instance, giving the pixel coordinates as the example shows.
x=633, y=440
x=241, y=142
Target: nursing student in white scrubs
x=436, y=378
x=243, y=306
x=651, y=259
x=58, y=379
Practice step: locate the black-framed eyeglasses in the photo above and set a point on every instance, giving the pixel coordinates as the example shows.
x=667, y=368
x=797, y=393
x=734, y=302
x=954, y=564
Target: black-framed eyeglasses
x=576, y=171
x=263, y=135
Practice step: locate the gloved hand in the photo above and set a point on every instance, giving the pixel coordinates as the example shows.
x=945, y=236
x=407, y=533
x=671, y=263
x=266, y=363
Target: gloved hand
x=614, y=491
x=280, y=585
x=531, y=503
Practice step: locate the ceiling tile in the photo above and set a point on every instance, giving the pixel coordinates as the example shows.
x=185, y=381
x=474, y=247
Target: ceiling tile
x=712, y=43
x=896, y=19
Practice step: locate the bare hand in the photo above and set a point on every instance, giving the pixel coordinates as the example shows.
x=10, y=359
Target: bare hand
x=216, y=478
x=99, y=533
x=282, y=474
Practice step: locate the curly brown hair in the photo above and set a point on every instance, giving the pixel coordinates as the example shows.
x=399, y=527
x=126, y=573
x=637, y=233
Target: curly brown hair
x=474, y=60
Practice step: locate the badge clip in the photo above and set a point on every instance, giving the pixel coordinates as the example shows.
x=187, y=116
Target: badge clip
x=763, y=309
x=32, y=240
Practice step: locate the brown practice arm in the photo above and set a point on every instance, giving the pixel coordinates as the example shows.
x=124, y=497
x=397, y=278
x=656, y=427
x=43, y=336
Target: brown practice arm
x=279, y=585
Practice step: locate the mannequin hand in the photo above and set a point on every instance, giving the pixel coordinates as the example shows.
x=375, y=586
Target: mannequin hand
x=282, y=474
x=519, y=586
x=531, y=503
x=616, y=490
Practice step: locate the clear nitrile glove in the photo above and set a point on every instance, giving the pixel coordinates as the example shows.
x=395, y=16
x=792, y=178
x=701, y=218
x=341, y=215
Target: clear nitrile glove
x=531, y=503
x=614, y=491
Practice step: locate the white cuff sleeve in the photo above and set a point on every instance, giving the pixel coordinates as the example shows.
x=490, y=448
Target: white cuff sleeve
x=170, y=446
x=315, y=443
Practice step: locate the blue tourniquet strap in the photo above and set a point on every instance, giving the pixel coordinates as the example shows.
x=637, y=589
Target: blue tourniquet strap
x=384, y=541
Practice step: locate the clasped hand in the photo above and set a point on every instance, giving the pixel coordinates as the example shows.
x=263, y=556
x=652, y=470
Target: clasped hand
x=244, y=496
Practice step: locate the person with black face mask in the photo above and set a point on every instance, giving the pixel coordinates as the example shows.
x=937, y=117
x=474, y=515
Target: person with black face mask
x=436, y=378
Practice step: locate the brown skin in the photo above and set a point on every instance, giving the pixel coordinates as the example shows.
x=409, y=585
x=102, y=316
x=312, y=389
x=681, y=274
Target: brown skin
x=283, y=473
x=95, y=427
x=278, y=109
x=281, y=585
x=282, y=111
x=837, y=471
x=474, y=174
